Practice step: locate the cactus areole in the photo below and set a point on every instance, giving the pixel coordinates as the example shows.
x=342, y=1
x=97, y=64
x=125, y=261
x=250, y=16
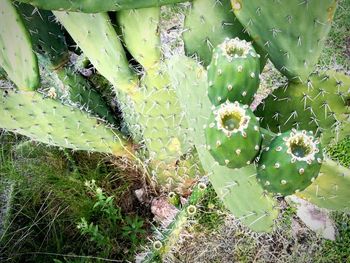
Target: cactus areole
x=290, y=163
x=233, y=135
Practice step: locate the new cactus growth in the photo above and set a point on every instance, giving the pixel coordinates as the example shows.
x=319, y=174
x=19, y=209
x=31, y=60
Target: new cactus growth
x=292, y=32
x=233, y=73
x=290, y=163
x=16, y=53
x=232, y=134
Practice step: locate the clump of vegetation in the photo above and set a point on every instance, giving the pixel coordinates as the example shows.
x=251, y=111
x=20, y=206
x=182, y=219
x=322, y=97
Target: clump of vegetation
x=59, y=211
x=338, y=250
x=211, y=212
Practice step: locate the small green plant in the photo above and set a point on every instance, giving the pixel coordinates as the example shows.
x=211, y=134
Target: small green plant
x=104, y=203
x=95, y=234
x=110, y=222
x=133, y=230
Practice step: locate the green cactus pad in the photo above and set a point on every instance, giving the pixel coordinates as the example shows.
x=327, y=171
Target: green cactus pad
x=293, y=32
x=238, y=188
x=320, y=105
x=156, y=105
x=233, y=73
x=16, y=55
x=331, y=188
x=97, y=6
x=47, y=35
x=48, y=121
x=290, y=163
x=207, y=24
x=140, y=29
x=232, y=135
x=72, y=89
x=97, y=38
x=161, y=118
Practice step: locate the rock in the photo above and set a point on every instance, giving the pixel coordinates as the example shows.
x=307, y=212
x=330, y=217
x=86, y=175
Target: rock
x=163, y=211
x=315, y=218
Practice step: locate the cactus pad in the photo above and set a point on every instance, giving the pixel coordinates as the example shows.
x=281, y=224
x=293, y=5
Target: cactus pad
x=293, y=32
x=232, y=135
x=16, y=55
x=331, y=188
x=207, y=24
x=290, y=163
x=140, y=29
x=48, y=121
x=320, y=105
x=96, y=6
x=233, y=73
x=47, y=35
x=95, y=35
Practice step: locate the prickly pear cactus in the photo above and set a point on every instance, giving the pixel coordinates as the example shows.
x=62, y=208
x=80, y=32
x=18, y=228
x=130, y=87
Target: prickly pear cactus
x=207, y=24
x=233, y=73
x=292, y=32
x=72, y=89
x=238, y=188
x=149, y=105
x=331, y=188
x=46, y=35
x=16, y=55
x=96, y=6
x=96, y=36
x=48, y=121
x=232, y=135
x=290, y=163
x=139, y=25
x=320, y=105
